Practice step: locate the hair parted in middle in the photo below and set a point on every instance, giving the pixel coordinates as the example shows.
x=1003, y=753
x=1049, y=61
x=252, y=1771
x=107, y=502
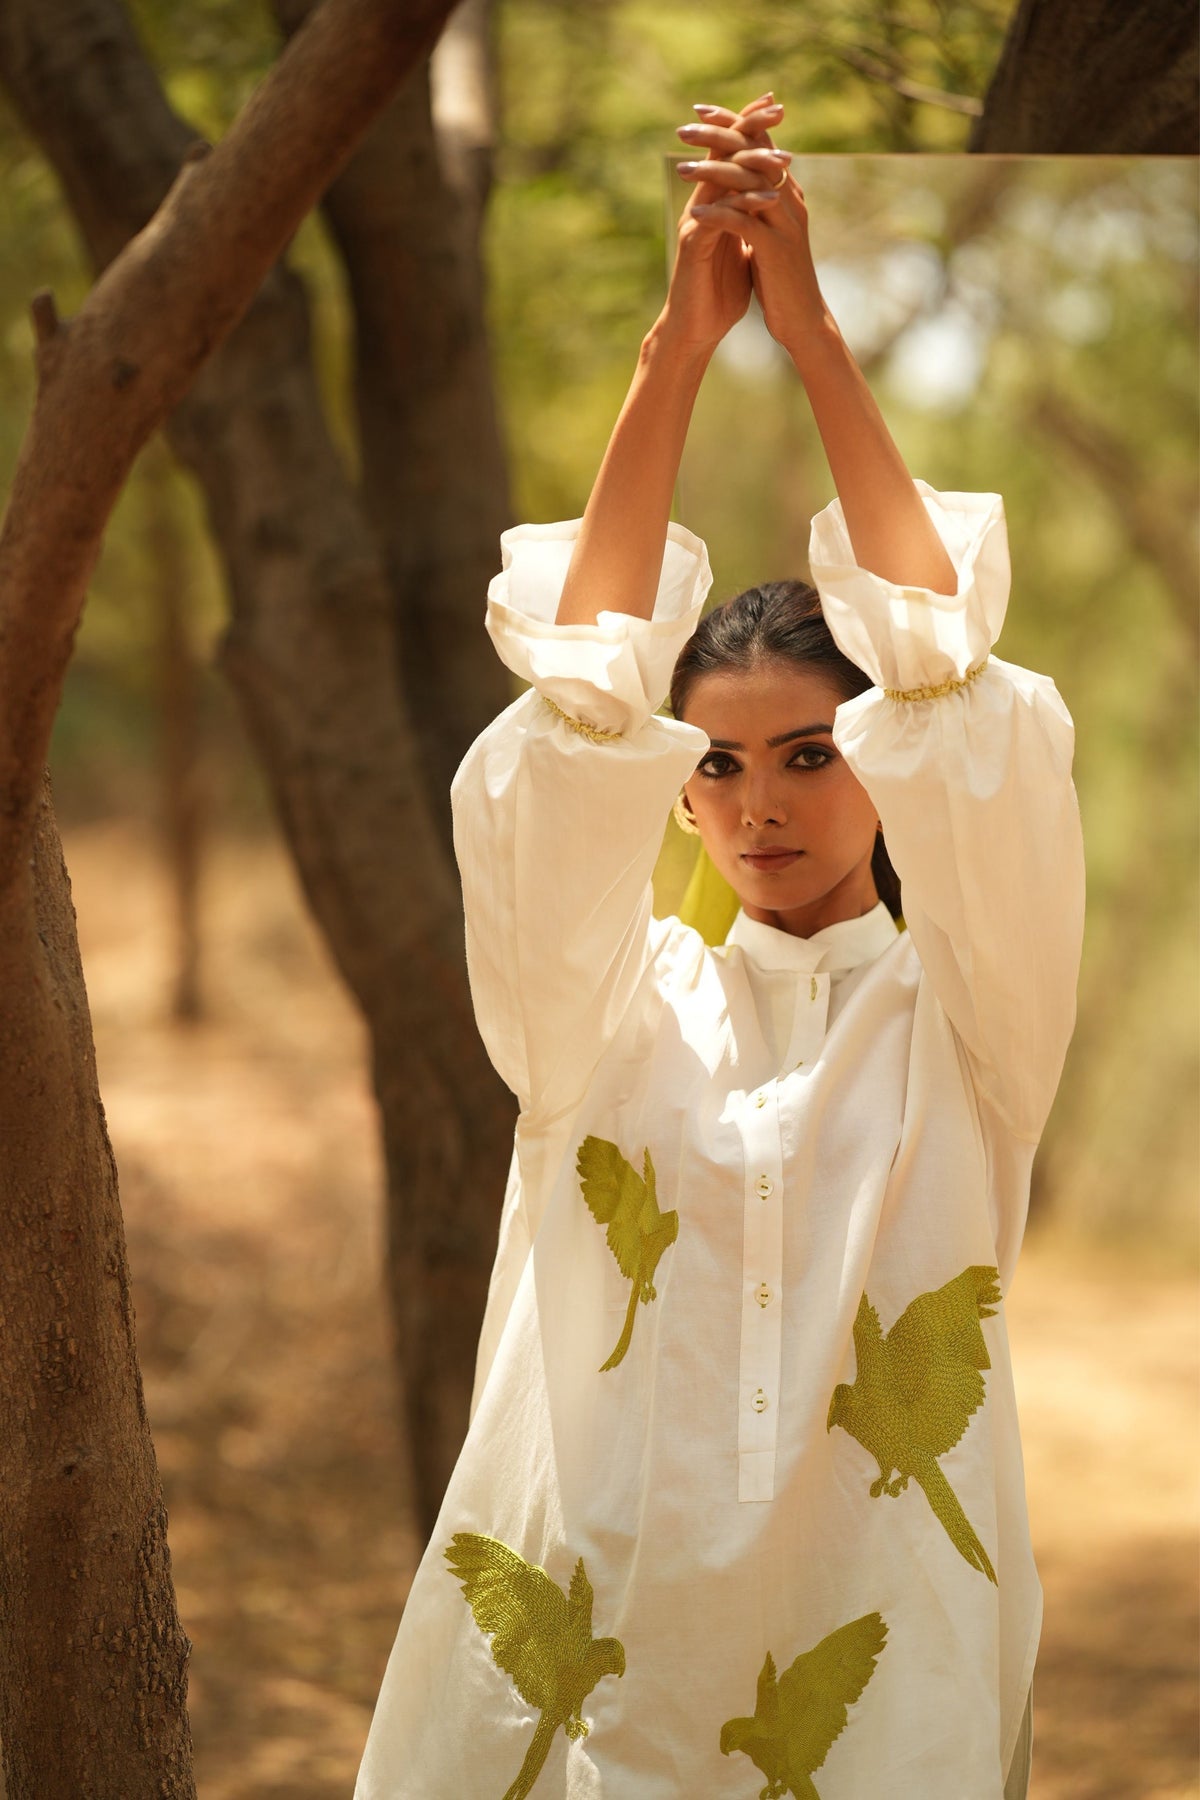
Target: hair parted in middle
x=778, y=621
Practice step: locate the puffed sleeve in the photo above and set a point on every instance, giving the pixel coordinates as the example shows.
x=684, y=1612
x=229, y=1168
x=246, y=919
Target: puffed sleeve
x=968, y=762
x=559, y=808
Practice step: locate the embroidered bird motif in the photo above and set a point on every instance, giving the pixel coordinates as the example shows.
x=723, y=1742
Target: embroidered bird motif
x=915, y=1390
x=638, y=1233
x=541, y=1637
x=798, y=1716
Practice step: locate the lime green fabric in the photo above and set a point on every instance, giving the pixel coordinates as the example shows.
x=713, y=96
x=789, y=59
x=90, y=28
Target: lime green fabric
x=709, y=903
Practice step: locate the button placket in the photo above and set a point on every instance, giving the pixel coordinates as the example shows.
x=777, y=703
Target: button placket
x=810, y=1023
x=762, y=1256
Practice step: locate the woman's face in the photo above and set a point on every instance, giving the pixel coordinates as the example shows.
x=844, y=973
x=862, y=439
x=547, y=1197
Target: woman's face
x=781, y=815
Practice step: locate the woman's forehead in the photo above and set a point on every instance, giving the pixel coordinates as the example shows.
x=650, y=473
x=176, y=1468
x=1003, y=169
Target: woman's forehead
x=762, y=701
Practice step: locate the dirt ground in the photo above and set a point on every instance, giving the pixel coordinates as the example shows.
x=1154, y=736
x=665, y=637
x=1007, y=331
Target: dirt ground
x=250, y=1181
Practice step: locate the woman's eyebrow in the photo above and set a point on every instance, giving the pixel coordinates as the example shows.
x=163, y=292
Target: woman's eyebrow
x=785, y=737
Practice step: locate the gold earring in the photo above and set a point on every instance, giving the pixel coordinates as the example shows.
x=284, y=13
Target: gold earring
x=683, y=817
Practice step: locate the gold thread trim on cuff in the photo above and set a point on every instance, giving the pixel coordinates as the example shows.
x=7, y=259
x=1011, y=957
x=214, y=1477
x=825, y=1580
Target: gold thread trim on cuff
x=595, y=734
x=943, y=687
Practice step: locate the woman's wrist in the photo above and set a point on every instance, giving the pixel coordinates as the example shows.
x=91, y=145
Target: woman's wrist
x=671, y=344
x=815, y=344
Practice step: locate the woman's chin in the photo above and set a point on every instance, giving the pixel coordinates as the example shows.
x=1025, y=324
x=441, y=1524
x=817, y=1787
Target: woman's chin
x=783, y=890
x=800, y=898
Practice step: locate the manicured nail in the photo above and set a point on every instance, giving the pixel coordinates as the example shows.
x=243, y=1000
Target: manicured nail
x=686, y=168
x=689, y=131
x=700, y=108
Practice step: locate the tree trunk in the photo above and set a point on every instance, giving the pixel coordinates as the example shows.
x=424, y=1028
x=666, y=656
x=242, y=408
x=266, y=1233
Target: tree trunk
x=92, y=1657
x=432, y=466
x=423, y=393
x=1103, y=76
x=312, y=651
x=93, y=1660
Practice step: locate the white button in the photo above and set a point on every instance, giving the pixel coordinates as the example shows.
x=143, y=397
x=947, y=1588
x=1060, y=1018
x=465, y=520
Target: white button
x=764, y=1187
x=759, y=1401
x=762, y=1293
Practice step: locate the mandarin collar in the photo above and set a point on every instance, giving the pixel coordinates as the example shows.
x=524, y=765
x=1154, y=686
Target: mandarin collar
x=832, y=951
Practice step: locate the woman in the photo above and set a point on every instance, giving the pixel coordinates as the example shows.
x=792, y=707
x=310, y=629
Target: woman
x=742, y=1494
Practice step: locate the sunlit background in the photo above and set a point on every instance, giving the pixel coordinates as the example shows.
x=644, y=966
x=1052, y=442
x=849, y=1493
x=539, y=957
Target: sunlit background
x=1030, y=328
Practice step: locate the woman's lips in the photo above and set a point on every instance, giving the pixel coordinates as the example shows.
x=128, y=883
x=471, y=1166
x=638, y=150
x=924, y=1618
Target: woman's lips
x=770, y=860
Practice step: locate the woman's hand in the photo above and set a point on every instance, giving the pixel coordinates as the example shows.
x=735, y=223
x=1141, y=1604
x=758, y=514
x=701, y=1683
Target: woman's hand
x=890, y=530
x=711, y=281
x=618, y=554
x=746, y=195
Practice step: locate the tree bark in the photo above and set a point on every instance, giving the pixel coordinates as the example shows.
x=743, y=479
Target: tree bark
x=92, y=1658
x=423, y=393
x=312, y=651
x=1100, y=76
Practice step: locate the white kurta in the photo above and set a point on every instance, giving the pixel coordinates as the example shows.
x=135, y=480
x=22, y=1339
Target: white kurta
x=848, y=1115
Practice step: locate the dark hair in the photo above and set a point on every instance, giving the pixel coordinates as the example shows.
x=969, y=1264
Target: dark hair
x=781, y=621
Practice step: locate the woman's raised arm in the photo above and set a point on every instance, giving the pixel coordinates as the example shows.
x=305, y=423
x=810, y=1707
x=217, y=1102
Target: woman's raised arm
x=618, y=555
x=889, y=528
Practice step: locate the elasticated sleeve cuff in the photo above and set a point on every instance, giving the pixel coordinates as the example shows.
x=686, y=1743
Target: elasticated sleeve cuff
x=611, y=675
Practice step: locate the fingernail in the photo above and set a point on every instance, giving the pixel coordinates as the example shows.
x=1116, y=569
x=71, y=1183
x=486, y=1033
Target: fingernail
x=702, y=109
x=686, y=168
x=686, y=131
x=783, y=156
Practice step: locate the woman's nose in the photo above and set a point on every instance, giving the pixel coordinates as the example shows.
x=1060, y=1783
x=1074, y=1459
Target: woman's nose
x=763, y=804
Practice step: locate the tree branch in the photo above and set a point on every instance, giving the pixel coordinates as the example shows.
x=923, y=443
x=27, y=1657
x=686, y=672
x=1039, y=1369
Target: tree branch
x=871, y=66
x=1158, y=528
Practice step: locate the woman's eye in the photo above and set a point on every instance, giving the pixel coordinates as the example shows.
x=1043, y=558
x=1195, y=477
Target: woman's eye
x=811, y=756
x=716, y=763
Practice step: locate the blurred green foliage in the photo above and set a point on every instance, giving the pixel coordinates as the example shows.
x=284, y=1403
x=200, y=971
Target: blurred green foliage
x=1028, y=325
x=1029, y=328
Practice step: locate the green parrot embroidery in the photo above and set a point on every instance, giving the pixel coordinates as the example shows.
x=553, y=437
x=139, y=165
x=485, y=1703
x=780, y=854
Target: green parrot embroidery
x=915, y=1390
x=798, y=1716
x=617, y=1196
x=541, y=1637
